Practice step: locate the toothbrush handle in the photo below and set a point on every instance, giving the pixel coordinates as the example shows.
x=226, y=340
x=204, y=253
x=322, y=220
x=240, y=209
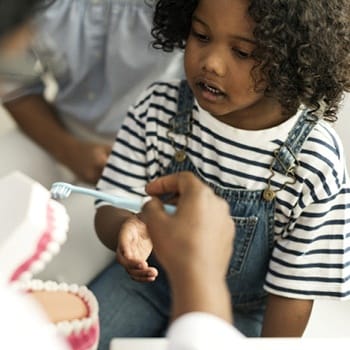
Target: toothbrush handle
x=131, y=204
x=170, y=209
x=97, y=194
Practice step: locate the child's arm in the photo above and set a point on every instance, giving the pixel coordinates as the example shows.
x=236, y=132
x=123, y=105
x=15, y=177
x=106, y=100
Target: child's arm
x=125, y=233
x=108, y=221
x=285, y=317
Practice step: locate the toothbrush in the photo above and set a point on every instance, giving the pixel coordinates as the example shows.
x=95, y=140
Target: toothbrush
x=62, y=190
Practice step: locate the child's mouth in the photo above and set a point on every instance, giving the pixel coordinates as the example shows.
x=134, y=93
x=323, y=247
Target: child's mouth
x=210, y=92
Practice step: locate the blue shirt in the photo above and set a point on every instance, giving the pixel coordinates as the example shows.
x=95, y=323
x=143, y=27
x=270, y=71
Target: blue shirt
x=105, y=57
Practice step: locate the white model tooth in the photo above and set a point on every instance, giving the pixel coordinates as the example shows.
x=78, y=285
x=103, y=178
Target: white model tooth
x=73, y=288
x=25, y=276
x=64, y=328
x=21, y=285
x=53, y=247
x=62, y=238
x=87, y=323
x=93, y=308
x=77, y=326
x=90, y=303
x=51, y=286
x=83, y=292
x=37, y=285
x=58, y=236
x=37, y=266
x=63, y=287
x=45, y=257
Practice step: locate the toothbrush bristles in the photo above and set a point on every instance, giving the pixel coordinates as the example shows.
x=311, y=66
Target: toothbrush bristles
x=60, y=191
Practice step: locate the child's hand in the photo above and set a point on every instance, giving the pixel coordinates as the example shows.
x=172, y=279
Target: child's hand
x=134, y=248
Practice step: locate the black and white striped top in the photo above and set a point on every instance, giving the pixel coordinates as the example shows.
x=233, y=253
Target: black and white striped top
x=311, y=257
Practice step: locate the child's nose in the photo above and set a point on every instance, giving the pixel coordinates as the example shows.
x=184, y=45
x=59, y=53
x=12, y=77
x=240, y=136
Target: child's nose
x=214, y=62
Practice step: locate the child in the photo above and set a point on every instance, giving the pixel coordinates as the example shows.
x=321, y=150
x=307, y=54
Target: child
x=263, y=79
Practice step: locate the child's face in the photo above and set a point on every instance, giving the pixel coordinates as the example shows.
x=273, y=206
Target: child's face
x=218, y=65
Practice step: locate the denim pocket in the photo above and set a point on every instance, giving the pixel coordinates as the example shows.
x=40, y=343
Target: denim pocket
x=245, y=229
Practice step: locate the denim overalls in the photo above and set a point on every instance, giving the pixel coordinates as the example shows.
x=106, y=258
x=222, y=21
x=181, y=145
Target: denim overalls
x=253, y=212
x=132, y=309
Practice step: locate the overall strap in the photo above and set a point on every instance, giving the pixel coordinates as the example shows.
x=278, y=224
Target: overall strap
x=285, y=159
x=181, y=122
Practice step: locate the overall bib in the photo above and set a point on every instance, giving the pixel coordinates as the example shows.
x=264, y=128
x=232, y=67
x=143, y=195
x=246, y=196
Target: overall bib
x=253, y=212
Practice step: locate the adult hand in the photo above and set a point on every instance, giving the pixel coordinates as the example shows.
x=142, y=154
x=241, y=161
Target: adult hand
x=133, y=249
x=38, y=120
x=194, y=245
x=87, y=160
x=198, y=236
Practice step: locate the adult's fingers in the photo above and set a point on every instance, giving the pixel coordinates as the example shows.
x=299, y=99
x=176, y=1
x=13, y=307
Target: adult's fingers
x=174, y=183
x=153, y=212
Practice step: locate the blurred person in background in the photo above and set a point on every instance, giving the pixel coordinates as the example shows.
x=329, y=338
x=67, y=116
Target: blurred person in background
x=97, y=54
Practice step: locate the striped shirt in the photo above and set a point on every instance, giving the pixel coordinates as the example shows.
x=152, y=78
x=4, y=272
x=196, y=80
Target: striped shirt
x=311, y=254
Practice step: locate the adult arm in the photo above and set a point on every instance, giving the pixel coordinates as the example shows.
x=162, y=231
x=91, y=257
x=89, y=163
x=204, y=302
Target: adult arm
x=38, y=120
x=193, y=245
x=286, y=317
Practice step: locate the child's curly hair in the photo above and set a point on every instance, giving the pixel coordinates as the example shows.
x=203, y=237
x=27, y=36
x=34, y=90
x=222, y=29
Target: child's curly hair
x=303, y=47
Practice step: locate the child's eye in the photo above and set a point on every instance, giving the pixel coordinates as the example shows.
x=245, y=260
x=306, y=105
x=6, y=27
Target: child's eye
x=241, y=54
x=200, y=37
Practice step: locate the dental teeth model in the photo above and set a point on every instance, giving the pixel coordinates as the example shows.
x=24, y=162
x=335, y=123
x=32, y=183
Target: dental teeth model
x=34, y=227
x=72, y=308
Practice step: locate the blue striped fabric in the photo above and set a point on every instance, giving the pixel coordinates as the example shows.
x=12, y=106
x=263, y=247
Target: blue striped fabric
x=311, y=256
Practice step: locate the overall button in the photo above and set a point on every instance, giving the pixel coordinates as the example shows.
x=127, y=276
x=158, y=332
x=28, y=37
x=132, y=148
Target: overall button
x=180, y=156
x=269, y=195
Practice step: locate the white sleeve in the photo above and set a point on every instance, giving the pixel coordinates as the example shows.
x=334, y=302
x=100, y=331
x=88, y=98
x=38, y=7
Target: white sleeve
x=201, y=331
